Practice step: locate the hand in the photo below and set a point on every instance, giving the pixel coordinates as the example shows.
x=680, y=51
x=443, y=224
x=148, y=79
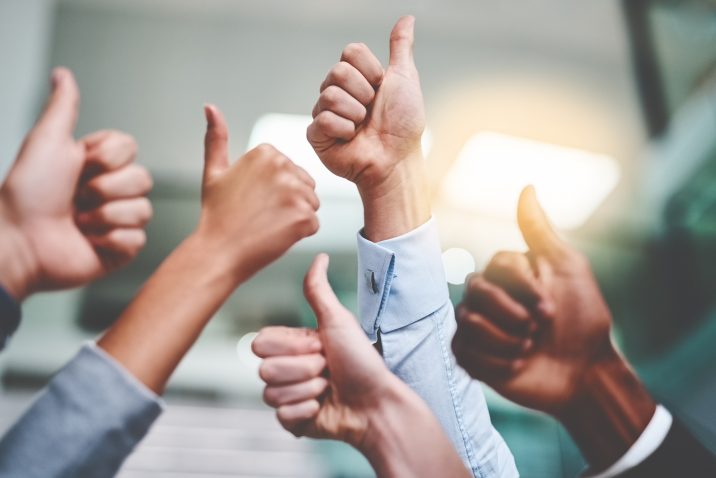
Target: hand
x=537, y=346
x=294, y=363
x=70, y=211
x=367, y=121
x=332, y=383
x=367, y=127
x=251, y=212
x=536, y=328
x=257, y=208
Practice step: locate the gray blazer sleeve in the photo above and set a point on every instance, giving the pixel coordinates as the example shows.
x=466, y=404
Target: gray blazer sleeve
x=83, y=424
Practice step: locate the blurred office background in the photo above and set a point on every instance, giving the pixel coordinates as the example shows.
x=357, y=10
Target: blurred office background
x=609, y=107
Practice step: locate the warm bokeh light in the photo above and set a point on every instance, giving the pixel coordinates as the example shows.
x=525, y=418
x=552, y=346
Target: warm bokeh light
x=492, y=169
x=458, y=264
x=288, y=134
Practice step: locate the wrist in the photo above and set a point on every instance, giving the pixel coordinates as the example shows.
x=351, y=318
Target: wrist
x=403, y=437
x=381, y=442
x=221, y=259
x=608, y=412
x=397, y=202
x=17, y=259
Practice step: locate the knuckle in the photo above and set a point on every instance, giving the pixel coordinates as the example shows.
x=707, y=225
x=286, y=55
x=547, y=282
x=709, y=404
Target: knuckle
x=98, y=186
x=146, y=211
x=281, y=161
x=323, y=120
x=265, y=149
x=269, y=397
x=140, y=240
x=267, y=372
x=502, y=259
x=330, y=98
x=340, y=72
x=306, y=224
x=145, y=178
x=319, y=384
x=352, y=50
x=476, y=284
x=103, y=213
x=128, y=141
x=362, y=113
x=257, y=345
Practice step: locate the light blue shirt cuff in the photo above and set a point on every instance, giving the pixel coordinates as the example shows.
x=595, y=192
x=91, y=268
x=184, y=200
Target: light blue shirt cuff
x=387, y=273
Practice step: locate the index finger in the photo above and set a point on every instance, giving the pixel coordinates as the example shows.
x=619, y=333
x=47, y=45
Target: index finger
x=273, y=341
x=360, y=56
x=513, y=272
x=108, y=150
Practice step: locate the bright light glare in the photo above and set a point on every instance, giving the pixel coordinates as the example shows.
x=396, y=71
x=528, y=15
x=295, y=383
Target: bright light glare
x=288, y=134
x=492, y=169
x=458, y=264
x=243, y=350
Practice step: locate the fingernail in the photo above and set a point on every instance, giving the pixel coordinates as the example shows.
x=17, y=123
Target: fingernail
x=55, y=77
x=517, y=364
x=526, y=345
x=207, y=112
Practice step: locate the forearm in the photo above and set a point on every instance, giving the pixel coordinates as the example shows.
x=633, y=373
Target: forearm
x=164, y=320
x=405, y=439
x=610, y=412
x=399, y=204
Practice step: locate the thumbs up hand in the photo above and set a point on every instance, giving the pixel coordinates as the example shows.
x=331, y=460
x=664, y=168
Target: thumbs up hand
x=313, y=400
x=70, y=210
x=368, y=120
x=331, y=383
x=255, y=209
x=534, y=326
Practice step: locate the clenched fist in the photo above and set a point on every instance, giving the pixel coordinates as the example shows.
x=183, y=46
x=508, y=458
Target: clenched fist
x=70, y=210
x=368, y=120
x=257, y=208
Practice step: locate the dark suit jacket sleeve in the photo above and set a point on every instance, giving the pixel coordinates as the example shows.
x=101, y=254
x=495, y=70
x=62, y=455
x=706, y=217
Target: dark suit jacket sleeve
x=9, y=317
x=680, y=455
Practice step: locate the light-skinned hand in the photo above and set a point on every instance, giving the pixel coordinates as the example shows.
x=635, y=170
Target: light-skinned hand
x=71, y=210
x=368, y=120
x=256, y=208
x=331, y=383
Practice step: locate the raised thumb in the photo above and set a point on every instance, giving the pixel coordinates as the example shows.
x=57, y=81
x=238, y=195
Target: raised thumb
x=401, y=42
x=536, y=229
x=320, y=296
x=216, y=142
x=62, y=108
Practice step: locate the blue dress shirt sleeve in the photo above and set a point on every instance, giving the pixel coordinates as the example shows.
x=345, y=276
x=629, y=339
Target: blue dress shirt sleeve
x=403, y=300
x=84, y=423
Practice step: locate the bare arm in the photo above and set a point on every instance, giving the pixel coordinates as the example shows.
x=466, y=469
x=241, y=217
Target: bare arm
x=252, y=212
